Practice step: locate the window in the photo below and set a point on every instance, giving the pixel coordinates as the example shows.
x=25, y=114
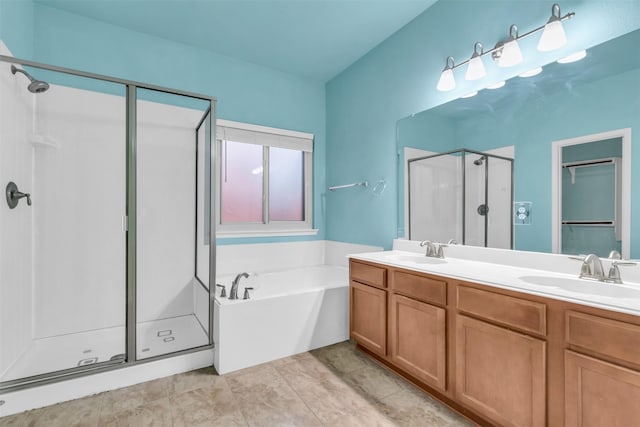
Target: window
x=264, y=185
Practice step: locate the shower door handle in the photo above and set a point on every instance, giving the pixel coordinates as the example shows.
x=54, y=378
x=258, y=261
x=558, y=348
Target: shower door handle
x=14, y=195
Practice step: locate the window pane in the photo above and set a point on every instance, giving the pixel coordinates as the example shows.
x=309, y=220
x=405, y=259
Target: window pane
x=241, y=182
x=286, y=185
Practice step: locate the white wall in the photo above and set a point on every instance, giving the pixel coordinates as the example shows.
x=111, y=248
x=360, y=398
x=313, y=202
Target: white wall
x=435, y=199
x=166, y=209
x=79, y=204
x=16, y=106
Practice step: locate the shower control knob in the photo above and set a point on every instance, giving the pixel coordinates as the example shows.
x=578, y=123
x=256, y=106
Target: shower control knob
x=14, y=195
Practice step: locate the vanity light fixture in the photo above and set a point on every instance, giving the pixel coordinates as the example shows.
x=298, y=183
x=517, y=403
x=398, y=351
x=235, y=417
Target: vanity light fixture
x=553, y=36
x=470, y=95
x=447, y=81
x=531, y=73
x=510, y=53
x=507, y=52
x=475, y=69
x=496, y=85
x=573, y=57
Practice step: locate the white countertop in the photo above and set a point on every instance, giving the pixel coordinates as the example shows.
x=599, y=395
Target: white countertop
x=552, y=284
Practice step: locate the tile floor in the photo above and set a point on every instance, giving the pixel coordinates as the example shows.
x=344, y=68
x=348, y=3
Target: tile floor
x=331, y=386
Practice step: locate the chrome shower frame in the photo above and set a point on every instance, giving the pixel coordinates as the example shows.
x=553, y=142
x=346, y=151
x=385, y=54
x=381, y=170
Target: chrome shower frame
x=131, y=244
x=485, y=156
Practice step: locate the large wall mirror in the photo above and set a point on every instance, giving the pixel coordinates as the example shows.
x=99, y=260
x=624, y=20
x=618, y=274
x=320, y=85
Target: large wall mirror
x=570, y=132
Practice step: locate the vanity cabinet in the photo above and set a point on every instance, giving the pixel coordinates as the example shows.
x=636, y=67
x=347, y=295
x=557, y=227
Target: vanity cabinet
x=418, y=339
x=498, y=356
x=368, y=307
x=599, y=393
x=601, y=386
x=500, y=373
x=500, y=363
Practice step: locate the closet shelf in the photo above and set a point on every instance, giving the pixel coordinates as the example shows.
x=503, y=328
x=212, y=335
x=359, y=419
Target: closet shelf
x=601, y=223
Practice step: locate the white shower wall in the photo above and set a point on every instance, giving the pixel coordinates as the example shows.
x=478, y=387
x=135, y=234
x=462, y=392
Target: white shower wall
x=436, y=198
x=166, y=210
x=62, y=261
x=79, y=204
x=16, y=112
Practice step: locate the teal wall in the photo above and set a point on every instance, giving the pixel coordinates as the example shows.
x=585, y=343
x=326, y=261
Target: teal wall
x=398, y=78
x=246, y=92
x=16, y=26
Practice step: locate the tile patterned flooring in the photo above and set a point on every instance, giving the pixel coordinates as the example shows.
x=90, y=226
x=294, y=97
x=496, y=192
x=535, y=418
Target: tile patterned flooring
x=331, y=386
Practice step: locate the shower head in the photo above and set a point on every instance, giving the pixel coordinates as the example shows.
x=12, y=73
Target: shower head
x=479, y=160
x=36, y=86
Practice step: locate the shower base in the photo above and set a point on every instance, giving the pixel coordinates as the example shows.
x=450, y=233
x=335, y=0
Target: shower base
x=101, y=345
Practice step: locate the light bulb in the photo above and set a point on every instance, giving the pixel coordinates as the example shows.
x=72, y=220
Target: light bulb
x=573, y=57
x=553, y=36
x=447, y=81
x=475, y=69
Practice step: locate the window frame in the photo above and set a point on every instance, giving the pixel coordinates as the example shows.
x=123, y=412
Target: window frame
x=266, y=227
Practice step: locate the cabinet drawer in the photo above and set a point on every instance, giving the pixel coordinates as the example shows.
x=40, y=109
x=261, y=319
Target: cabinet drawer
x=420, y=287
x=369, y=274
x=513, y=312
x=607, y=337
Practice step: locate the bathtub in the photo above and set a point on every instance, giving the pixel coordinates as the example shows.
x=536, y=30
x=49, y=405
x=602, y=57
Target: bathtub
x=289, y=312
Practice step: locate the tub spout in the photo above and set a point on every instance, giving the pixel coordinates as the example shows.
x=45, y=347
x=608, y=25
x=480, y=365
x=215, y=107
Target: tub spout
x=233, y=293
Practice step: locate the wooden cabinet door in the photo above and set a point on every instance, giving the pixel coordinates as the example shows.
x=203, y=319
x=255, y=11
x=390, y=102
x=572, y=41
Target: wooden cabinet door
x=500, y=373
x=417, y=339
x=598, y=393
x=368, y=317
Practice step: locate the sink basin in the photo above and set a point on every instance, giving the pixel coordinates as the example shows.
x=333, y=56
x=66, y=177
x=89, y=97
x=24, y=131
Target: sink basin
x=583, y=286
x=415, y=259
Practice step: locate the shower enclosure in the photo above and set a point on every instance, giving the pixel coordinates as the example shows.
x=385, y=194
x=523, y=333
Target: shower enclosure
x=107, y=256
x=462, y=195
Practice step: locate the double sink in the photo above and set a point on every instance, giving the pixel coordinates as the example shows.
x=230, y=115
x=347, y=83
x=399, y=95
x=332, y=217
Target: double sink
x=536, y=281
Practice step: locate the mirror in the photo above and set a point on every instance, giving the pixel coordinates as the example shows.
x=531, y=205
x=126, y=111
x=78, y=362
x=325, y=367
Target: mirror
x=596, y=98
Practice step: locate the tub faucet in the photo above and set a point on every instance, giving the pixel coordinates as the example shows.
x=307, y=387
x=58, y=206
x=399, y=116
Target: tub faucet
x=233, y=293
x=592, y=268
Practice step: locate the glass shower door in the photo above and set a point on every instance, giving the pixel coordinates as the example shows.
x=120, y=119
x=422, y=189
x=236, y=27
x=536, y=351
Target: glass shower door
x=172, y=223
x=62, y=225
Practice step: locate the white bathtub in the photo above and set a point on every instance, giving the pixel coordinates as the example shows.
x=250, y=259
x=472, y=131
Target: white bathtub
x=290, y=312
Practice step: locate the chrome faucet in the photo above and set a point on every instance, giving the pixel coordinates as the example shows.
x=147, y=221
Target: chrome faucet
x=434, y=250
x=233, y=293
x=614, y=271
x=592, y=268
x=431, y=249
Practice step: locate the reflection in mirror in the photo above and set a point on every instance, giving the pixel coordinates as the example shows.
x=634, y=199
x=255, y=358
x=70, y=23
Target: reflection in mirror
x=462, y=195
x=590, y=178
x=598, y=95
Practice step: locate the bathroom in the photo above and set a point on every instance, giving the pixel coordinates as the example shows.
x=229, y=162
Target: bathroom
x=350, y=89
